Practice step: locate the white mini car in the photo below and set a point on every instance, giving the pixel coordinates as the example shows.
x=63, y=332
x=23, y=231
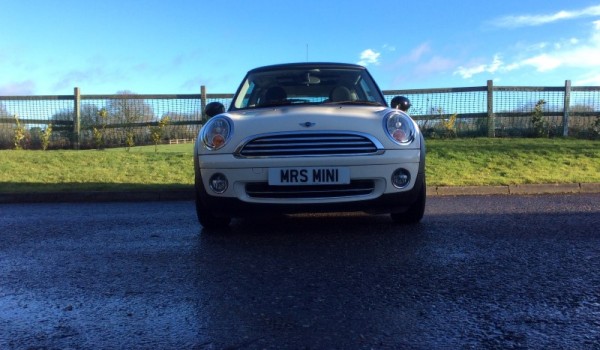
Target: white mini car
x=308, y=137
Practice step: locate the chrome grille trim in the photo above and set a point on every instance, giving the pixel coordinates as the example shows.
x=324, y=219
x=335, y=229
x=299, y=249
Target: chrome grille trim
x=265, y=191
x=306, y=144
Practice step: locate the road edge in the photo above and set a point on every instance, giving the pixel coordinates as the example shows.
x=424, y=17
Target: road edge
x=183, y=195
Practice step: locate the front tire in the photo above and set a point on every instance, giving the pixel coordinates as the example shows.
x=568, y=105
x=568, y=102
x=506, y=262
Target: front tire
x=207, y=219
x=415, y=212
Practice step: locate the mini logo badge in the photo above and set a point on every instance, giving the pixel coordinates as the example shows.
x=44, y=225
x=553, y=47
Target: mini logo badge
x=307, y=124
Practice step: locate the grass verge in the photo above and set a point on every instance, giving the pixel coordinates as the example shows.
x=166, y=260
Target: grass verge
x=452, y=162
x=485, y=161
x=141, y=168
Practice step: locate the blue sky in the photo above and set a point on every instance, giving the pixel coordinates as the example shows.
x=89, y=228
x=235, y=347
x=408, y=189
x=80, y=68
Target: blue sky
x=170, y=47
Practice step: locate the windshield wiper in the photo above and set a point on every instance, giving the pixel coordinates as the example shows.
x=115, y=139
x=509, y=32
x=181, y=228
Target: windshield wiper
x=275, y=104
x=364, y=103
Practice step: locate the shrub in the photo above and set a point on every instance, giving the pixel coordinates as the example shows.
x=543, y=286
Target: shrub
x=448, y=127
x=156, y=132
x=19, y=134
x=595, y=128
x=45, y=137
x=129, y=139
x=98, y=133
x=539, y=125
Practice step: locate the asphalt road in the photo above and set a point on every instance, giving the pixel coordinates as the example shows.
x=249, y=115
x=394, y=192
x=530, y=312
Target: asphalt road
x=479, y=272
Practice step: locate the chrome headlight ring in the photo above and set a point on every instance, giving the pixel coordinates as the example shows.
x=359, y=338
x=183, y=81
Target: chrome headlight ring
x=216, y=132
x=399, y=127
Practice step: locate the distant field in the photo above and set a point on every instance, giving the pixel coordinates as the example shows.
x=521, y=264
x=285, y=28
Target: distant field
x=453, y=162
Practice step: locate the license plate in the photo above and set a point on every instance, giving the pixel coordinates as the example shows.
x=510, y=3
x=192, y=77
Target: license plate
x=309, y=176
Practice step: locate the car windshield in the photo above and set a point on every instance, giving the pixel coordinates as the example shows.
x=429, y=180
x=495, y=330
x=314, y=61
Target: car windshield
x=291, y=86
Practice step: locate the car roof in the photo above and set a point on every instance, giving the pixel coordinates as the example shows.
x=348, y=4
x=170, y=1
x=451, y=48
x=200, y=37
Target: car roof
x=307, y=65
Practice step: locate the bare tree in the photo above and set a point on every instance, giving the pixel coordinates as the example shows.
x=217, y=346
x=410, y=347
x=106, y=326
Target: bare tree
x=128, y=110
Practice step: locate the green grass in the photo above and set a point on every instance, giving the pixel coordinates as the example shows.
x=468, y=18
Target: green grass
x=454, y=162
x=464, y=162
x=112, y=169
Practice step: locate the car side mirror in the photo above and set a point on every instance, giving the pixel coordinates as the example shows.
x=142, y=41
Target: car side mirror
x=400, y=102
x=214, y=108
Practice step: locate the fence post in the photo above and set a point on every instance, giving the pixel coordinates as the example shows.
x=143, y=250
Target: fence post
x=491, y=125
x=202, y=101
x=567, y=107
x=76, y=118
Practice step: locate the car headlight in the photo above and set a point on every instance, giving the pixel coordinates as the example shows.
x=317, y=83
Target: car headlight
x=216, y=133
x=399, y=127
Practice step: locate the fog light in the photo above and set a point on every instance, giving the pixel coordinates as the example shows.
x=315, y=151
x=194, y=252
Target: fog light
x=400, y=178
x=218, y=183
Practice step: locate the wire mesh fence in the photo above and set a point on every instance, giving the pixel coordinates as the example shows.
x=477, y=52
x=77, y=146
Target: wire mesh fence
x=433, y=108
x=128, y=120
x=506, y=111
x=97, y=121
x=514, y=108
x=34, y=114
x=584, y=116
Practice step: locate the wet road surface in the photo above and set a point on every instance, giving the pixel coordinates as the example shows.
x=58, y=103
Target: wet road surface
x=478, y=272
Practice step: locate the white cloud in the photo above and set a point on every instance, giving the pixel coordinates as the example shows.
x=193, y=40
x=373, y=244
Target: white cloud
x=434, y=65
x=388, y=47
x=468, y=72
x=590, y=79
x=545, y=45
x=538, y=46
x=26, y=87
x=536, y=20
x=416, y=54
x=511, y=66
x=573, y=53
x=368, y=57
x=496, y=63
x=544, y=57
x=542, y=63
x=418, y=63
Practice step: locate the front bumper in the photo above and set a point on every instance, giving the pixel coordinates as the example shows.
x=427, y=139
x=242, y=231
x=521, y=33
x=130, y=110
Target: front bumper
x=385, y=203
x=383, y=198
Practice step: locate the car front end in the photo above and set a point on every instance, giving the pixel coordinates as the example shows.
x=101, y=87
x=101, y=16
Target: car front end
x=313, y=156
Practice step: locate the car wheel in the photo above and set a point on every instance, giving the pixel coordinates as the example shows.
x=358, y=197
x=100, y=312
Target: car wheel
x=415, y=212
x=207, y=219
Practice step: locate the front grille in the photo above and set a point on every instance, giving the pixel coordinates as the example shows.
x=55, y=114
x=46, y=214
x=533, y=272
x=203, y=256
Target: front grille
x=308, y=144
x=355, y=188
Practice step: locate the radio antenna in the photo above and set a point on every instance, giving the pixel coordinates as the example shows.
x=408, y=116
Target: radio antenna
x=306, y=52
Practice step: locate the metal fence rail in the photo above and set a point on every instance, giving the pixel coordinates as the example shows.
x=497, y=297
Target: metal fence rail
x=80, y=121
